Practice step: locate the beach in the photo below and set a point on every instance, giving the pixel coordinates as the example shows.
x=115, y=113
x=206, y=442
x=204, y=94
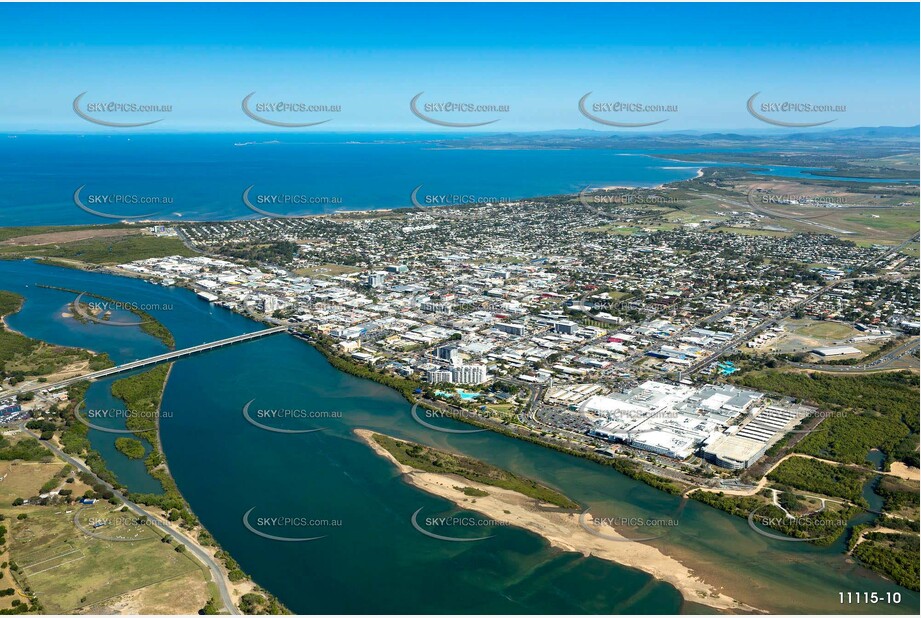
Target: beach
x=563, y=530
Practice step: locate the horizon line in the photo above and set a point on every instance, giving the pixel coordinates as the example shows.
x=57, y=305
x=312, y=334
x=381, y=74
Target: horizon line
x=423, y=132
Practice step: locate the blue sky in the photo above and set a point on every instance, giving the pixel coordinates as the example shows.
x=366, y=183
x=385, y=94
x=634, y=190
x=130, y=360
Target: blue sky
x=537, y=59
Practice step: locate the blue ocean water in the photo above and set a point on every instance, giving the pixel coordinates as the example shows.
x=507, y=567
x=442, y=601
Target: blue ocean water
x=204, y=176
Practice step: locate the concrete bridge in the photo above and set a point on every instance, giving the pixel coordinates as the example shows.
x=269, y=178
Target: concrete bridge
x=161, y=358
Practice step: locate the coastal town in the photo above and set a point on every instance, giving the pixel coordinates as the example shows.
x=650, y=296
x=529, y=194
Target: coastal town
x=460, y=309
x=651, y=330
x=618, y=343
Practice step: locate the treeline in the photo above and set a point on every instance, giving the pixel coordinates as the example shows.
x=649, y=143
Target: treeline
x=253, y=603
x=873, y=411
x=12, y=345
x=822, y=478
x=433, y=460
x=10, y=302
x=362, y=370
x=27, y=449
x=819, y=528
x=142, y=394
x=109, y=250
x=129, y=447
x=73, y=437
x=893, y=555
x=898, y=494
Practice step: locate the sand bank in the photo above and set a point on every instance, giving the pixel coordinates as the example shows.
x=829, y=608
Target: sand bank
x=563, y=530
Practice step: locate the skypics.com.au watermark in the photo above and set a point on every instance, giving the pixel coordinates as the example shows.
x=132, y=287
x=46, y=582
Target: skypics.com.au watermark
x=280, y=113
x=796, y=206
x=642, y=528
x=271, y=419
x=114, y=113
x=92, y=309
x=779, y=113
x=270, y=204
x=780, y=415
x=114, y=305
x=808, y=524
x=448, y=113
x=126, y=520
x=464, y=204
x=601, y=200
x=126, y=204
x=289, y=528
x=423, y=415
x=120, y=528
x=616, y=113
x=91, y=416
x=449, y=526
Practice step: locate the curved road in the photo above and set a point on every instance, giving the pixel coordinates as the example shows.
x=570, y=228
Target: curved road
x=216, y=573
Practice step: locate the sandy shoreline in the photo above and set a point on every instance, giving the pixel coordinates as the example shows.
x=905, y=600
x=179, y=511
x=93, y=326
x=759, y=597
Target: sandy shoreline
x=900, y=470
x=563, y=530
x=700, y=172
x=7, y=326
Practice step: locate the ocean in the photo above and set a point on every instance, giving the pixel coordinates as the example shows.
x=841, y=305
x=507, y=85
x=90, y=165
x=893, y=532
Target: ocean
x=198, y=177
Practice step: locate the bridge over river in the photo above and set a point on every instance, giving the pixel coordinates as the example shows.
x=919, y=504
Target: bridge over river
x=154, y=360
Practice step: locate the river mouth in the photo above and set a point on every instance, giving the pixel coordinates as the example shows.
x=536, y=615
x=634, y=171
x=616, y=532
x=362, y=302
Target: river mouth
x=225, y=466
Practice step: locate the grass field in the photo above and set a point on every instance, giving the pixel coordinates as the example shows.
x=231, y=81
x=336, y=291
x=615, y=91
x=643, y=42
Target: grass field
x=23, y=479
x=68, y=570
x=504, y=411
x=806, y=334
x=160, y=598
x=826, y=330
x=744, y=231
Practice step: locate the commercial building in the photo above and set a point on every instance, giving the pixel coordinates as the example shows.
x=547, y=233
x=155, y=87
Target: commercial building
x=376, y=279
x=511, y=328
x=437, y=376
x=439, y=308
x=449, y=354
x=676, y=420
x=840, y=350
x=469, y=374
x=567, y=327
x=734, y=452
